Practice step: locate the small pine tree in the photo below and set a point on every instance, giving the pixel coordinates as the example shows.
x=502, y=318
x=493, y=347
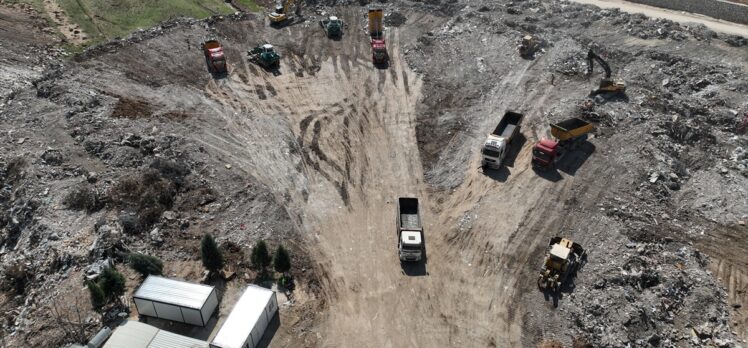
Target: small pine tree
x=281, y=260
x=210, y=254
x=145, y=264
x=112, y=283
x=98, y=299
x=260, y=256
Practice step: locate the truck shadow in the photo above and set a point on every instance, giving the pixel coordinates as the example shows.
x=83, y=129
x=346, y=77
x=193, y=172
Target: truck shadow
x=414, y=269
x=575, y=159
x=502, y=174
x=382, y=66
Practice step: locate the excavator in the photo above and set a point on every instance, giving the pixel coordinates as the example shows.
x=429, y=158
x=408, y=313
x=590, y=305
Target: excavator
x=281, y=14
x=607, y=85
x=563, y=259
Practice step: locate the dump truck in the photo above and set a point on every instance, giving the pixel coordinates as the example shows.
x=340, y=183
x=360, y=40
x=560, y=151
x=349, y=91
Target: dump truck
x=563, y=259
x=214, y=57
x=333, y=26
x=566, y=136
x=497, y=143
x=264, y=55
x=410, y=242
x=379, y=54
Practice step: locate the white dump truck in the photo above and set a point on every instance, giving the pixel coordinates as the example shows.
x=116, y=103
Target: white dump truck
x=410, y=243
x=497, y=143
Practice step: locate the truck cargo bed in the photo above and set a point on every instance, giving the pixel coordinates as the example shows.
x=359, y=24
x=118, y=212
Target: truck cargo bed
x=571, y=128
x=409, y=218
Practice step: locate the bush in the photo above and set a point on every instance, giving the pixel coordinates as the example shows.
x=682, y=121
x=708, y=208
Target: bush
x=260, y=256
x=281, y=260
x=145, y=196
x=83, y=197
x=210, y=254
x=112, y=283
x=98, y=299
x=145, y=264
x=171, y=170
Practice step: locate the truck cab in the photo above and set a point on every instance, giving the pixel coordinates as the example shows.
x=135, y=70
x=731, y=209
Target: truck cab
x=379, y=51
x=544, y=154
x=411, y=246
x=494, y=151
x=410, y=243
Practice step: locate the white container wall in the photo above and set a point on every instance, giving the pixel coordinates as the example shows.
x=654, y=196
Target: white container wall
x=176, y=300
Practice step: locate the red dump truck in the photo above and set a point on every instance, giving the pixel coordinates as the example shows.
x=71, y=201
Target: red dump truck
x=214, y=57
x=567, y=135
x=379, y=54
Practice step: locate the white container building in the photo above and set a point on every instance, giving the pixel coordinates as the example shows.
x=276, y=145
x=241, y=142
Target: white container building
x=133, y=334
x=248, y=319
x=176, y=300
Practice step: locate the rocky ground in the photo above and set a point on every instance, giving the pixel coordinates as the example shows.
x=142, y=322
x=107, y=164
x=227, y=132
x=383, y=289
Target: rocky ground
x=131, y=147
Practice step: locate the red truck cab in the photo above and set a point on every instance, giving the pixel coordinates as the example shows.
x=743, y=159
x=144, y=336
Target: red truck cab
x=544, y=153
x=379, y=51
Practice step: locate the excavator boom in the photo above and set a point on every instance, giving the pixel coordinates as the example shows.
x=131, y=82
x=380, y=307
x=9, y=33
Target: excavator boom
x=592, y=56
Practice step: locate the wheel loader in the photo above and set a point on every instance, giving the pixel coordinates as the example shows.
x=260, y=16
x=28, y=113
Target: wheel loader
x=528, y=46
x=281, y=13
x=607, y=84
x=265, y=56
x=333, y=26
x=562, y=260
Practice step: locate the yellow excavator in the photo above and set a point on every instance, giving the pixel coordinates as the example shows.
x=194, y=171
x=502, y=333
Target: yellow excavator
x=607, y=84
x=562, y=260
x=281, y=13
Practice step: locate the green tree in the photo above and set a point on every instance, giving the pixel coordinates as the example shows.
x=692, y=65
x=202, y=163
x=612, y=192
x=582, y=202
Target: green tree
x=112, y=283
x=260, y=256
x=145, y=264
x=211, y=255
x=281, y=260
x=98, y=299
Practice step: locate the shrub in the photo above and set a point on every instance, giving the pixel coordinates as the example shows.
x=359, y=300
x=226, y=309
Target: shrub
x=112, y=283
x=83, y=197
x=210, y=254
x=145, y=264
x=98, y=299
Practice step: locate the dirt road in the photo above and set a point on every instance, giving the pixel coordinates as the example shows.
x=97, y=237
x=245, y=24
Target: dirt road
x=676, y=16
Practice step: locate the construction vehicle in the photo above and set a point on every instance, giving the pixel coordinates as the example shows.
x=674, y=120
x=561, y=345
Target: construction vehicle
x=410, y=242
x=281, y=13
x=497, y=143
x=333, y=26
x=567, y=135
x=607, y=84
x=563, y=259
x=214, y=57
x=265, y=56
x=528, y=46
x=379, y=54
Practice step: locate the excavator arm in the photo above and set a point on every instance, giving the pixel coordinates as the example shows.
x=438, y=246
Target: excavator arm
x=592, y=56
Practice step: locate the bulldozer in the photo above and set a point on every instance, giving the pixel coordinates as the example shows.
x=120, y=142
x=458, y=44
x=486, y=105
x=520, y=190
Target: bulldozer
x=607, y=84
x=563, y=259
x=265, y=56
x=528, y=46
x=281, y=13
x=333, y=26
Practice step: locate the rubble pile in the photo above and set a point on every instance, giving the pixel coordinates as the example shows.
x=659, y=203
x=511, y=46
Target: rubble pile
x=651, y=295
